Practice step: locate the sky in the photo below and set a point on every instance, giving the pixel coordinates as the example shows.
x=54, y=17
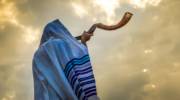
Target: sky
x=140, y=61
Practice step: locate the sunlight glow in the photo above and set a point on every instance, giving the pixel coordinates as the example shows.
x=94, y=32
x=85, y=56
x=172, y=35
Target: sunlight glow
x=79, y=10
x=31, y=35
x=8, y=14
x=176, y=64
x=108, y=7
x=144, y=3
x=4, y=98
x=9, y=96
x=150, y=87
x=7, y=11
x=147, y=51
x=153, y=86
x=144, y=70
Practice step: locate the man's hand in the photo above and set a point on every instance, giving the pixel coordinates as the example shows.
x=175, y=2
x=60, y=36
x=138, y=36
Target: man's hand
x=86, y=37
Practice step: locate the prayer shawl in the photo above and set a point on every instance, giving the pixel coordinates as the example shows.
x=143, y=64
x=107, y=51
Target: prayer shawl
x=61, y=67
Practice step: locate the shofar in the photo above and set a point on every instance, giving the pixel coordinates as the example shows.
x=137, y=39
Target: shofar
x=127, y=16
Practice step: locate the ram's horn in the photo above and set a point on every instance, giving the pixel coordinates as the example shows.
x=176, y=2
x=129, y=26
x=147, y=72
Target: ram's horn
x=127, y=16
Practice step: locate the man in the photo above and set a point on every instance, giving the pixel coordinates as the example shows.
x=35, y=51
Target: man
x=61, y=66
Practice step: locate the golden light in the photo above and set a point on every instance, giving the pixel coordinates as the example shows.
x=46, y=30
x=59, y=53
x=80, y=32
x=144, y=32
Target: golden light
x=2, y=27
x=149, y=87
x=79, y=10
x=144, y=3
x=144, y=70
x=105, y=7
x=7, y=11
x=8, y=14
x=30, y=35
x=153, y=86
x=14, y=21
x=4, y=98
x=9, y=96
x=176, y=64
x=3, y=1
x=108, y=7
x=147, y=51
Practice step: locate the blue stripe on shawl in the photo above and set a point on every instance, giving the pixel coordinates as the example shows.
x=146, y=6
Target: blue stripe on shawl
x=84, y=72
x=86, y=78
x=87, y=82
x=81, y=79
x=82, y=83
x=91, y=94
x=90, y=91
x=72, y=63
x=81, y=70
x=71, y=67
x=74, y=59
x=86, y=89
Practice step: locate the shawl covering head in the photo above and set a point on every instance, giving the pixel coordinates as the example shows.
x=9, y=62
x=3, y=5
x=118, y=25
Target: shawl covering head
x=61, y=67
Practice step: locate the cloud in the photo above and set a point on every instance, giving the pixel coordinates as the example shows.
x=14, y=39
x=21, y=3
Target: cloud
x=95, y=8
x=144, y=3
x=79, y=10
x=16, y=39
x=107, y=9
